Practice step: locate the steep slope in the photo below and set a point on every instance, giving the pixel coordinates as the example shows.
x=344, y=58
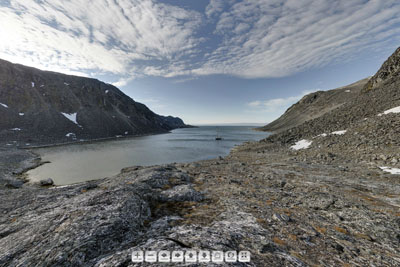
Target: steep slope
x=45, y=107
x=390, y=70
x=380, y=94
x=315, y=105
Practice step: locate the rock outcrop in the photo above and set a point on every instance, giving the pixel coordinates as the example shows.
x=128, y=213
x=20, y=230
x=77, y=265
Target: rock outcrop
x=47, y=107
x=81, y=225
x=389, y=70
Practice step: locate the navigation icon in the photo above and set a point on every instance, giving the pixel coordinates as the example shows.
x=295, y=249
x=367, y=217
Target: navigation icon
x=217, y=256
x=150, y=256
x=164, y=256
x=231, y=256
x=204, y=256
x=191, y=256
x=244, y=256
x=177, y=256
x=137, y=256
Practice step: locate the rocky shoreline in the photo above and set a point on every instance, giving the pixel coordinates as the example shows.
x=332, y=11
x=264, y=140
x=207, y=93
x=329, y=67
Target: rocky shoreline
x=282, y=205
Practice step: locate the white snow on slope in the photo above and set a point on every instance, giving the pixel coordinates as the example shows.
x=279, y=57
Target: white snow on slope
x=342, y=132
x=347, y=91
x=71, y=117
x=322, y=135
x=4, y=105
x=66, y=84
x=302, y=144
x=33, y=84
x=107, y=91
x=70, y=134
x=390, y=170
x=392, y=110
x=21, y=114
x=15, y=129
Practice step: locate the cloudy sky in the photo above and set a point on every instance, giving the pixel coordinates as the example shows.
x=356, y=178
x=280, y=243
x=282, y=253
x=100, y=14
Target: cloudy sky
x=206, y=61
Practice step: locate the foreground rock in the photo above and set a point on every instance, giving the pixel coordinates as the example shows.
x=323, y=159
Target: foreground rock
x=79, y=225
x=284, y=211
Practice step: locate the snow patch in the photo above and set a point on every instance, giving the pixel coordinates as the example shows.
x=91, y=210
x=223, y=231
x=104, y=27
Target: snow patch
x=107, y=91
x=392, y=110
x=15, y=129
x=21, y=114
x=70, y=135
x=322, y=135
x=126, y=132
x=347, y=91
x=42, y=85
x=66, y=84
x=118, y=136
x=71, y=117
x=4, y=105
x=342, y=132
x=390, y=170
x=33, y=84
x=302, y=144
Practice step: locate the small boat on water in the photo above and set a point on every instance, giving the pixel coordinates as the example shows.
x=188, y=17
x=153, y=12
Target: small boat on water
x=218, y=137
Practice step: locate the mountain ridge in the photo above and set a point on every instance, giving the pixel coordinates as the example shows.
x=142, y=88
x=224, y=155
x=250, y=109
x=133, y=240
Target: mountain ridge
x=46, y=107
x=314, y=105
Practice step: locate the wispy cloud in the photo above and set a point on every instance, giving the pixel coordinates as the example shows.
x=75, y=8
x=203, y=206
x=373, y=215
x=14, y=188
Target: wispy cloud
x=276, y=105
x=120, y=37
x=136, y=38
x=278, y=38
x=122, y=82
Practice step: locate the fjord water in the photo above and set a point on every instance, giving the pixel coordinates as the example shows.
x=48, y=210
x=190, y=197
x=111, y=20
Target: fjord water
x=82, y=162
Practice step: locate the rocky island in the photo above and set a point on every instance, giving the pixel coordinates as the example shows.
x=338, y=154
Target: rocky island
x=322, y=191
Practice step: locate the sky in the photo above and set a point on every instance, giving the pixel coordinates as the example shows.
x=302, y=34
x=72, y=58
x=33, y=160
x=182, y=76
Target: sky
x=206, y=61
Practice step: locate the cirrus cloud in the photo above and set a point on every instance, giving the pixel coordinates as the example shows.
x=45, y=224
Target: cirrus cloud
x=137, y=38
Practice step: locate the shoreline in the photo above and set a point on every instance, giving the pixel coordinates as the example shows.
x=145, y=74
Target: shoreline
x=277, y=204
x=319, y=205
x=33, y=160
x=37, y=161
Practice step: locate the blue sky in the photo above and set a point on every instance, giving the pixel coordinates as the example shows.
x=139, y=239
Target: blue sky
x=206, y=61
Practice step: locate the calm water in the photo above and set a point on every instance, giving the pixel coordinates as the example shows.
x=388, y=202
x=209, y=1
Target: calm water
x=77, y=163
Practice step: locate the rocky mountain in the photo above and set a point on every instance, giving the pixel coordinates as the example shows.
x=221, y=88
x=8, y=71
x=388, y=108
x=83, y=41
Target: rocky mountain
x=315, y=105
x=379, y=94
x=47, y=107
x=366, y=127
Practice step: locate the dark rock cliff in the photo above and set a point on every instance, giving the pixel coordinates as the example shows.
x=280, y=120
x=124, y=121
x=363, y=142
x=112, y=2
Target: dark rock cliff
x=46, y=107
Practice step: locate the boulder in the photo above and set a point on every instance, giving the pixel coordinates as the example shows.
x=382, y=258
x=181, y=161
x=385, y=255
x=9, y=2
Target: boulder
x=46, y=182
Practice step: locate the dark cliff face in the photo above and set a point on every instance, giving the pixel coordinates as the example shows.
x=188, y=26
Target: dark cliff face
x=46, y=107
